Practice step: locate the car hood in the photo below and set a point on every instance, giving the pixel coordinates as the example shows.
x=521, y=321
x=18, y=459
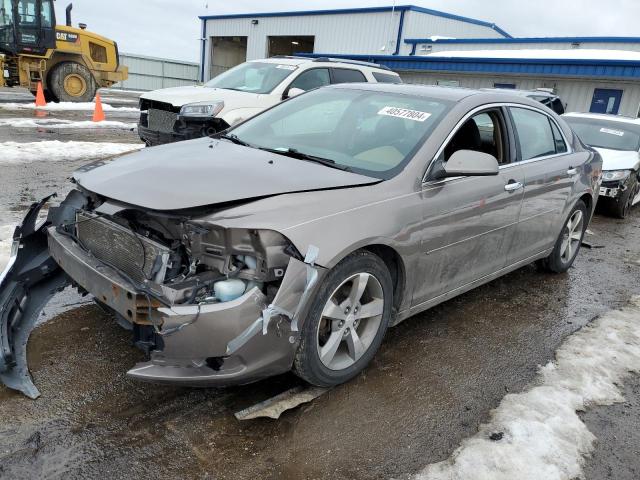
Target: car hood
x=205, y=172
x=619, y=159
x=179, y=96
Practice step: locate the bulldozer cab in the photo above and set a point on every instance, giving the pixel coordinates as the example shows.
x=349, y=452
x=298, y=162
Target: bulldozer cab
x=27, y=26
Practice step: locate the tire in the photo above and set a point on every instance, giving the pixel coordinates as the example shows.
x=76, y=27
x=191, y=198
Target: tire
x=357, y=337
x=50, y=97
x=621, y=207
x=72, y=82
x=560, y=260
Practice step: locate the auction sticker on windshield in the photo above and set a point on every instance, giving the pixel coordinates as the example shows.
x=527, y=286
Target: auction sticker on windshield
x=612, y=132
x=286, y=67
x=404, y=113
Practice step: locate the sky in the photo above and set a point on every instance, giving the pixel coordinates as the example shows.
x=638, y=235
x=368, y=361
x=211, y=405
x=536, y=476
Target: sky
x=171, y=29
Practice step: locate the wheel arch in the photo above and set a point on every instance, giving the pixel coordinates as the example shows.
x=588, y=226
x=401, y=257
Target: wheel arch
x=395, y=264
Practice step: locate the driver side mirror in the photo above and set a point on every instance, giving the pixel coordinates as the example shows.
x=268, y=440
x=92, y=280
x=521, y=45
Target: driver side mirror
x=294, y=92
x=468, y=163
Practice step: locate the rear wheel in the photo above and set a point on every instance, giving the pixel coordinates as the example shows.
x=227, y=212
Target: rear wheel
x=72, y=82
x=568, y=244
x=347, y=321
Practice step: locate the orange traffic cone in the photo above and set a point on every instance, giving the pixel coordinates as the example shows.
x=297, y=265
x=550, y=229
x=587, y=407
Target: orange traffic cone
x=40, y=101
x=98, y=114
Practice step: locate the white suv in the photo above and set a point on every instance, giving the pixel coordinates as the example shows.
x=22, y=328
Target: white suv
x=181, y=113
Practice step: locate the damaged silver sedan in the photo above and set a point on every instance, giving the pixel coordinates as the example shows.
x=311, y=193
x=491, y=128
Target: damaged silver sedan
x=294, y=240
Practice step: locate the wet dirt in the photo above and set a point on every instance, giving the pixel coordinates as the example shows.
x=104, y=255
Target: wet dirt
x=433, y=382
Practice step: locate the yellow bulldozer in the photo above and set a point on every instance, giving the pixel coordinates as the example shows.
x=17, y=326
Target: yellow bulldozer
x=71, y=63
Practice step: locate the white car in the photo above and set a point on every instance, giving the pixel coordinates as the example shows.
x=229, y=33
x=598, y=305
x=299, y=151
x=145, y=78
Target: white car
x=181, y=113
x=617, y=139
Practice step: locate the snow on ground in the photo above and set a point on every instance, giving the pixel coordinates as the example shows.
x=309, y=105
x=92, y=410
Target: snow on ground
x=537, y=434
x=6, y=236
x=55, y=150
x=61, y=123
x=66, y=106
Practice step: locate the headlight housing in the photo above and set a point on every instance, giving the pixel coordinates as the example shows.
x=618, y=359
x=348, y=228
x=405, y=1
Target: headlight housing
x=611, y=175
x=201, y=109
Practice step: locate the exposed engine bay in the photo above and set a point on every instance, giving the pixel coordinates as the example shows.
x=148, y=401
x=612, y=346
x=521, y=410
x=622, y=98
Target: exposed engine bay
x=192, y=293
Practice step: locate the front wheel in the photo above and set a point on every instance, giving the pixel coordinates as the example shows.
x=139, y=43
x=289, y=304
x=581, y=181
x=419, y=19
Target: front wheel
x=620, y=208
x=568, y=244
x=347, y=321
x=72, y=82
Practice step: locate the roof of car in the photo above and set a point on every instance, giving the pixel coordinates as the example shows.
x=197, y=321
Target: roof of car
x=454, y=94
x=604, y=116
x=523, y=93
x=293, y=60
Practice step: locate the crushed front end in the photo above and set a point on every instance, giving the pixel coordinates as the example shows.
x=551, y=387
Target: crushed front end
x=209, y=306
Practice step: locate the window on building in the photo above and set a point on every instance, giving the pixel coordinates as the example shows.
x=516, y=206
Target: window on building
x=504, y=85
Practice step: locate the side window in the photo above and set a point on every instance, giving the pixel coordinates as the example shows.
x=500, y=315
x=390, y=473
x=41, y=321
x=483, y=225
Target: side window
x=561, y=146
x=386, y=77
x=557, y=106
x=484, y=132
x=534, y=133
x=345, y=75
x=314, y=78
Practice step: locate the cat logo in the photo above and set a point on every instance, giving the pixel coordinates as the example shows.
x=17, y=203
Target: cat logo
x=67, y=37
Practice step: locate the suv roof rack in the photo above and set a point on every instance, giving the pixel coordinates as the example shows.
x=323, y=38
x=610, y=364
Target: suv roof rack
x=352, y=62
x=293, y=57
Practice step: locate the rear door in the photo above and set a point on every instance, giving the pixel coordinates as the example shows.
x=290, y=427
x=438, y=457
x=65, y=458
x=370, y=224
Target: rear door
x=544, y=157
x=469, y=220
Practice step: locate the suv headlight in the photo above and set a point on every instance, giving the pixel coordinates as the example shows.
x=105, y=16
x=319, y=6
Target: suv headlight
x=615, y=175
x=201, y=109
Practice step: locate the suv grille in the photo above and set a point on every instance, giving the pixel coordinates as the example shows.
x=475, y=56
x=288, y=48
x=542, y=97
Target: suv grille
x=138, y=257
x=161, y=120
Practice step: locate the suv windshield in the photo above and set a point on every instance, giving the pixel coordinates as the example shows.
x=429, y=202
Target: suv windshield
x=373, y=133
x=254, y=77
x=606, y=134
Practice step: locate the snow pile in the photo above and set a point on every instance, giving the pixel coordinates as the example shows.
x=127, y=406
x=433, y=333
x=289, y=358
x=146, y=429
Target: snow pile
x=6, y=239
x=60, y=123
x=55, y=150
x=537, y=434
x=540, y=54
x=66, y=106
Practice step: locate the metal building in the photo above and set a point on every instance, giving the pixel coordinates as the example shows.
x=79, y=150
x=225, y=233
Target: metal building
x=228, y=40
x=151, y=73
x=597, y=74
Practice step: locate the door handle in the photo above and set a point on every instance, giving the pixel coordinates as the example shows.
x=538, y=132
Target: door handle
x=572, y=171
x=512, y=186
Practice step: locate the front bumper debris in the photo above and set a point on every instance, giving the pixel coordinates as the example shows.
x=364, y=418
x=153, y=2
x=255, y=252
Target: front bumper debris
x=206, y=344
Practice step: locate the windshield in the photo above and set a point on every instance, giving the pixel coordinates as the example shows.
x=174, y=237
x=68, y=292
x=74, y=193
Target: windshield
x=373, y=133
x=606, y=134
x=254, y=77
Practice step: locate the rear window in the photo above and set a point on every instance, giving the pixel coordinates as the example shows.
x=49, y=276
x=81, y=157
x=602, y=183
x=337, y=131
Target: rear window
x=344, y=75
x=386, y=77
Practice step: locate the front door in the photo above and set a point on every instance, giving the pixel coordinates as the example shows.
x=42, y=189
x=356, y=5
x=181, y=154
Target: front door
x=606, y=100
x=469, y=221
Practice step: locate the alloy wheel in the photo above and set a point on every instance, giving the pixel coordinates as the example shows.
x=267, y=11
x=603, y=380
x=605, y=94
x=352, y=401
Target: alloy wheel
x=572, y=236
x=350, y=321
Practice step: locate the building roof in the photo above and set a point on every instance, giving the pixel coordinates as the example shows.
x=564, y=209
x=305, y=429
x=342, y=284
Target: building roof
x=493, y=64
x=344, y=11
x=542, y=54
x=511, y=40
